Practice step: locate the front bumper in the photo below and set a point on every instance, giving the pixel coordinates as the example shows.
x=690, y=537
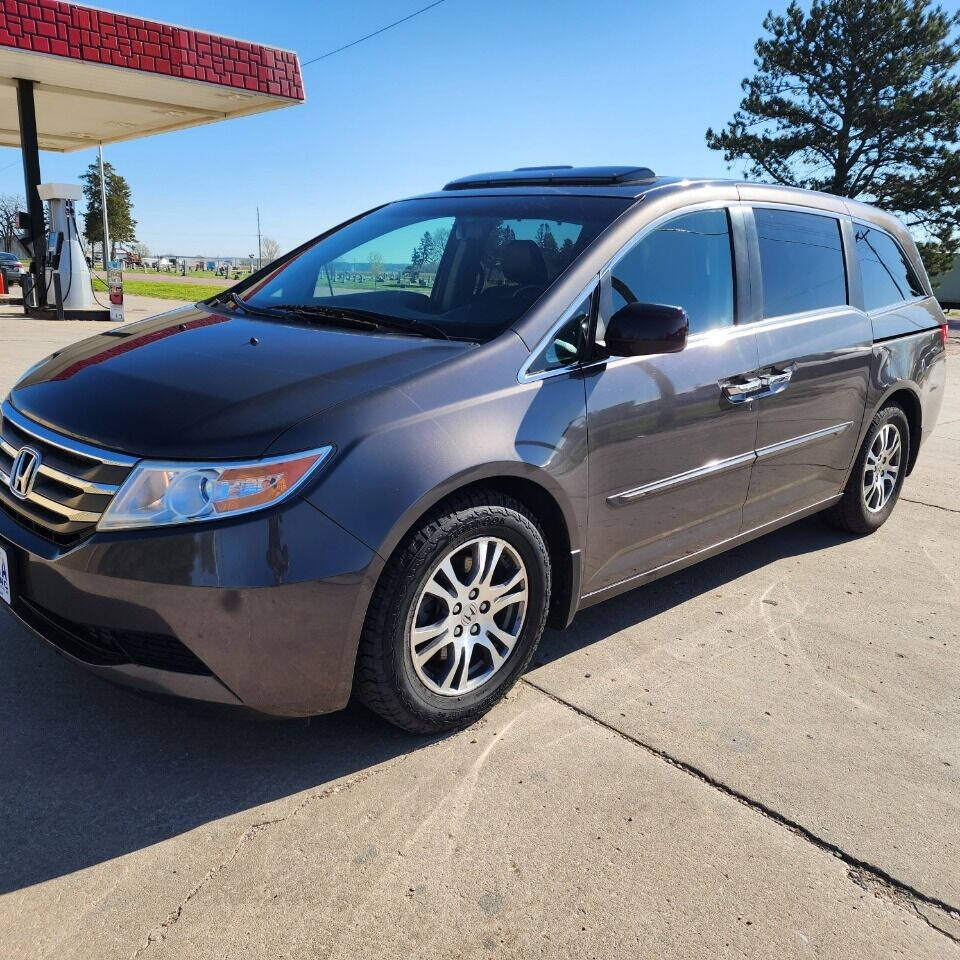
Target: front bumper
x=263, y=611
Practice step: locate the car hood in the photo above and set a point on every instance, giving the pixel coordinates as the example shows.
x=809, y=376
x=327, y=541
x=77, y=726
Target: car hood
x=201, y=383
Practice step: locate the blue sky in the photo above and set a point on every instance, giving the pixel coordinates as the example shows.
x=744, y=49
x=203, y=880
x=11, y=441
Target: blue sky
x=470, y=85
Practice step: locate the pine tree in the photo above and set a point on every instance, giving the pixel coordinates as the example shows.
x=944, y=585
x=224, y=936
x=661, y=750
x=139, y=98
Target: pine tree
x=122, y=226
x=860, y=98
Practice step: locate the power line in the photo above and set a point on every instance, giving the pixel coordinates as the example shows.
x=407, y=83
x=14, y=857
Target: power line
x=376, y=33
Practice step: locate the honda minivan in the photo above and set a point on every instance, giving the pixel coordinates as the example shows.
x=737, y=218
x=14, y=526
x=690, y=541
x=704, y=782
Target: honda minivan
x=382, y=465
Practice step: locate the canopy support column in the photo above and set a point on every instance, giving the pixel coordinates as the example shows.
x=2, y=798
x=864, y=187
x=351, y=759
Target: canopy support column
x=31, y=180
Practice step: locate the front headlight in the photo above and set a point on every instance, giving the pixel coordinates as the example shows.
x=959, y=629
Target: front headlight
x=161, y=494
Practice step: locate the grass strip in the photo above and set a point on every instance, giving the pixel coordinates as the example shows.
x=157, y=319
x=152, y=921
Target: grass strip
x=163, y=289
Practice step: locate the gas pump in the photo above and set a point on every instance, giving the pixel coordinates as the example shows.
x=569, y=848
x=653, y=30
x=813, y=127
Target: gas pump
x=66, y=276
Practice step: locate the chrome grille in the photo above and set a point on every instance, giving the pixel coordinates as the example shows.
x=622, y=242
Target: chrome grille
x=74, y=482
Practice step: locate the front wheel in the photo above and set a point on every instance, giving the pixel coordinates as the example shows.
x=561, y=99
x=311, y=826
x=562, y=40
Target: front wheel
x=457, y=614
x=874, y=485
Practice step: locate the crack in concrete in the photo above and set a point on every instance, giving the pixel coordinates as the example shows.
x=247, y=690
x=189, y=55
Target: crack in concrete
x=866, y=875
x=159, y=932
x=883, y=891
x=934, y=506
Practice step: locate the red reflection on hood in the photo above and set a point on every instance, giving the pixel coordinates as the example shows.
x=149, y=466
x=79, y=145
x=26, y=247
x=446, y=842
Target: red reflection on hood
x=137, y=342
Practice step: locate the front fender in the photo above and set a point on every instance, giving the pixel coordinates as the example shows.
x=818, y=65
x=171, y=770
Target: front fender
x=477, y=474
x=402, y=451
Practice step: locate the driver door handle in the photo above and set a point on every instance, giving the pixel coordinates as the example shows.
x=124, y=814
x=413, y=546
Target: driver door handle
x=739, y=391
x=767, y=383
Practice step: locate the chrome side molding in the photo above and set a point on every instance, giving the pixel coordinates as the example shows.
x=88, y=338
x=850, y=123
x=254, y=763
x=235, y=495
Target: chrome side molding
x=721, y=466
x=774, y=449
x=689, y=476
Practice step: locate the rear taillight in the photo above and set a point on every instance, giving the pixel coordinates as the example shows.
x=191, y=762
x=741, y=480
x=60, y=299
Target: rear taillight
x=943, y=332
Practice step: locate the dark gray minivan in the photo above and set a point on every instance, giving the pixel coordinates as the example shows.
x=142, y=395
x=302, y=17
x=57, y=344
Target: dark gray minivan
x=384, y=463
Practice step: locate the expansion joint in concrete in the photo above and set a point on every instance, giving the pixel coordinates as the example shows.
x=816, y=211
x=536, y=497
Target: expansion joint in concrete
x=936, y=913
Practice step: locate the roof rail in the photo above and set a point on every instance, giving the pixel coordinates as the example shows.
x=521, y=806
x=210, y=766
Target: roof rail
x=555, y=176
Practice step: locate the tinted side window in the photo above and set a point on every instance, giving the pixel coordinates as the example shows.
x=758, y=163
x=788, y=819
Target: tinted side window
x=686, y=263
x=887, y=275
x=801, y=256
x=566, y=345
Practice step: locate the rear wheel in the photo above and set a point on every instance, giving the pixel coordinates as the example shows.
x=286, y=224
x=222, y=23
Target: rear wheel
x=456, y=616
x=874, y=485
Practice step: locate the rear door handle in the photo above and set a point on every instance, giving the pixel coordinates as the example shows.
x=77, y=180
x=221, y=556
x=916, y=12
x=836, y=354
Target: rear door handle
x=743, y=389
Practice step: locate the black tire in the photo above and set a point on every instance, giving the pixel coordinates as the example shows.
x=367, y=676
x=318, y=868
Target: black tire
x=385, y=679
x=851, y=513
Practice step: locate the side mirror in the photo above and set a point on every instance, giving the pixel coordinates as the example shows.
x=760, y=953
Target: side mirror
x=639, y=329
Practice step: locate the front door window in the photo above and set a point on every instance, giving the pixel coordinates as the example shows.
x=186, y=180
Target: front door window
x=687, y=262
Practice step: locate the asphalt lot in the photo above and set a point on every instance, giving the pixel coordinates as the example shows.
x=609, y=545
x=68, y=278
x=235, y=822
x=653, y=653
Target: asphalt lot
x=756, y=757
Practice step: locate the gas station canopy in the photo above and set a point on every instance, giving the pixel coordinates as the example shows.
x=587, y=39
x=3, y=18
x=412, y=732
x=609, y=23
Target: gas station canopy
x=73, y=77
x=101, y=77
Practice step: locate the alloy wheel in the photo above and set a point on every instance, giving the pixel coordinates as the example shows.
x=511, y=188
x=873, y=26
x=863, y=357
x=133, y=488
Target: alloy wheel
x=468, y=616
x=882, y=468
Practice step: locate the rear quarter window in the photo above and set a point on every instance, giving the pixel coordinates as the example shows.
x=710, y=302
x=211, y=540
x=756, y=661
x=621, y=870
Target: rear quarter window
x=887, y=276
x=801, y=258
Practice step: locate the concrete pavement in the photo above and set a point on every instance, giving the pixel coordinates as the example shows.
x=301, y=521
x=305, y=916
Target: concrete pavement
x=756, y=757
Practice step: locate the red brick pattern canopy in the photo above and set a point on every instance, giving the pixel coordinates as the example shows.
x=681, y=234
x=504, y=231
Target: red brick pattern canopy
x=96, y=36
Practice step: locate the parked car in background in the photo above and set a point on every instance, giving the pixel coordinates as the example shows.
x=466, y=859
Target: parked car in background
x=303, y=488
x=13, y=269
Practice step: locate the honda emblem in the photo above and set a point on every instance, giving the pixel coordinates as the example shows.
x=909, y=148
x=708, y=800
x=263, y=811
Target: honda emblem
x=23, y=473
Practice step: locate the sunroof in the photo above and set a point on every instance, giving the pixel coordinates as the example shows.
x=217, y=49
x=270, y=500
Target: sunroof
x=555, y=175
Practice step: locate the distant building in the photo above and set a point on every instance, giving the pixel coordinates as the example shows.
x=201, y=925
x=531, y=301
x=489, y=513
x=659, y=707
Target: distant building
x=16, y=247
x=947, y=287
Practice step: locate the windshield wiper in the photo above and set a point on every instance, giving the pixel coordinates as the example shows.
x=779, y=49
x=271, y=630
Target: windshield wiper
x=366, y=318
x=350, y=316
x=241, y=304
x=334, y=316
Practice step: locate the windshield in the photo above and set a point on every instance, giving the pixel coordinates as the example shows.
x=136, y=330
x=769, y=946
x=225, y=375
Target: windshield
x=461, y=267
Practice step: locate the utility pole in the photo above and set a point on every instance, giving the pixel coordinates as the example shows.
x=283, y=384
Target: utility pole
x=103, y=204
x=259, y=242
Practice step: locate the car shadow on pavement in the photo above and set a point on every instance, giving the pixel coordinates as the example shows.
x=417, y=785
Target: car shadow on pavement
x=633, y=608
x=90, y=771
